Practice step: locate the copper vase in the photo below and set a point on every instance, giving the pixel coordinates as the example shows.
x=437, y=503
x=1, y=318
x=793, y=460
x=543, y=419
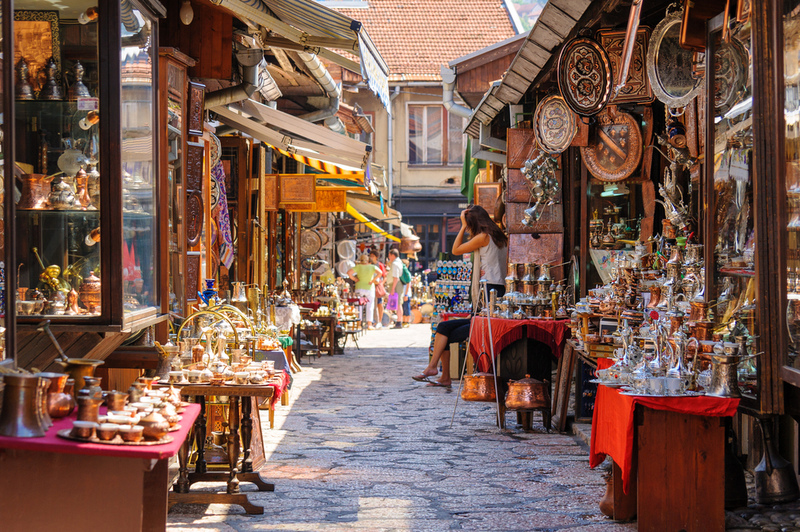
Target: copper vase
x=59, y=402
x=21, y=404
x=35, y=190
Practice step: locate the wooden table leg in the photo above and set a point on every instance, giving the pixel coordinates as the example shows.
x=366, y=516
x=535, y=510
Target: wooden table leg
x=233, y=444
x=200, y=465
x=155, y=494
x=247, y=433
x=182, y=484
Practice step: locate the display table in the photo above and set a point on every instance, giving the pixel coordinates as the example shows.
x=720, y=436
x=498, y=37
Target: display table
x=51, y=483
x=668, y=454
x=553, y=333
x=253, y=459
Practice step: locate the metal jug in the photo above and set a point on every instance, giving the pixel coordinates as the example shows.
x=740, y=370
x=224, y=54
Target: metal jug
x=21, y=403
x=78, y=368
x=775, y=478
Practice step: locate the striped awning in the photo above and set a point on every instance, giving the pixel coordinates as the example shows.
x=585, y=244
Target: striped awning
x=363, y=219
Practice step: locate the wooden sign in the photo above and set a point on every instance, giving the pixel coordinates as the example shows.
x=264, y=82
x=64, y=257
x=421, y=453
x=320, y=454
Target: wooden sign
x=297, y=188
x=485, y=195
x=551, y=221
x=521, y=146
x=525, y=249
x=331, y=200
x=269, y=192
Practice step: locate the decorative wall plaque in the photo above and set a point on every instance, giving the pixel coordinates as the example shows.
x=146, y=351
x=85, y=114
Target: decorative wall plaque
x=637, y=86
x=194, y=217
x=584, y=76
x=521, y=146
x=194, y=165
x=485, y=195
x=197, y=93
x=38, y=35
x=297, y=188
x=554, y=124
x=616, y=149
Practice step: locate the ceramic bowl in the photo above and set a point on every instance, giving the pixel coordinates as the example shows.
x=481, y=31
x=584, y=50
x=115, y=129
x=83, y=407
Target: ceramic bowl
x=83, y=429
x=107, y=431
x=175, y=376
x=193, y=376
x=241, y=377
x=131, y=433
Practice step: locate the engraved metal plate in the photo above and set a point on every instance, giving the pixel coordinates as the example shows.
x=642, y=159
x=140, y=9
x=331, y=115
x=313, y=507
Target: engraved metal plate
x=616, y=149
x=194, y=218
x=310, y=242
x=554, y=124
x=584, y=76
x=669, y=67
x=637, y=86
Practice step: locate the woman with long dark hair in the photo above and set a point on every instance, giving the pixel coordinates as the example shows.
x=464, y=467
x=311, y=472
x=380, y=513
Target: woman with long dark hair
x=489, y=246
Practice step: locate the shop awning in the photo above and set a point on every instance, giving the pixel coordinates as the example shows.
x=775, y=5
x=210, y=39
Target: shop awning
x=372, y=207
x=315, y=28
x=363, y=219
x=294, y=134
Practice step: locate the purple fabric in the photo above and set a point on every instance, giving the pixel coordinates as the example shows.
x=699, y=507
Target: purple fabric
x=223, y=218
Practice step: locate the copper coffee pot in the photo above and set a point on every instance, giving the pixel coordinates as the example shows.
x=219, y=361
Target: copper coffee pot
x=77, y=368
x=59, y=403
x=21, y=403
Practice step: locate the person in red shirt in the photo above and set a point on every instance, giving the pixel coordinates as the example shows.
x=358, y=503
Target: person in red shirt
x=380, y=289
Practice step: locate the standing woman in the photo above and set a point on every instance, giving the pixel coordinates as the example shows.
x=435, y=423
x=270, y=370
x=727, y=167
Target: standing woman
x=380, y=288
x=364, y=275
x=490, y=247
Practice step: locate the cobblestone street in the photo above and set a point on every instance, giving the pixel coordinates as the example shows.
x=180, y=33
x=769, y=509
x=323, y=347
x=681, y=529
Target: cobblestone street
x=364, y=447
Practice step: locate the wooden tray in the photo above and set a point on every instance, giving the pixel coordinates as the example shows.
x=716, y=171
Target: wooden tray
x=116, y=440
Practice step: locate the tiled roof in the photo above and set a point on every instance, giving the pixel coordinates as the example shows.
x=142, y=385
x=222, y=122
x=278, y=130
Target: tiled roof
x=415, y=37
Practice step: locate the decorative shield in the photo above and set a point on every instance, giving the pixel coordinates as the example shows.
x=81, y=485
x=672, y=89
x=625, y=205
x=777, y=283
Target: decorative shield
x=616, y=149
x=731, y=62
x=584, y=76
x=554, y=124
x=669, y=67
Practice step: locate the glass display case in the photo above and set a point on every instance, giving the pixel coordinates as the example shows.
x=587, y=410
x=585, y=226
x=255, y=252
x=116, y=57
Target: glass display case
x=791, y=104
x=731, y=243
x=85, y=164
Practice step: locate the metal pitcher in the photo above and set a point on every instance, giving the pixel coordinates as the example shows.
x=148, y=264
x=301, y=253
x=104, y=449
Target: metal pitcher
x=774, y=477
x=78, y=368
x=724, y=375
x=21, y=403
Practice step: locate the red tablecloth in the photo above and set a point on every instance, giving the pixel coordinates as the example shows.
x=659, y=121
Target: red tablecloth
x=553, y=333
x=612, y=422
x=279, y=389
x=454, y=316
x=357, y=301
x=313, y=305
x=53, y=444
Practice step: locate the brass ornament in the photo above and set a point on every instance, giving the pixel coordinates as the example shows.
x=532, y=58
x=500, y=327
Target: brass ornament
x=554, y=124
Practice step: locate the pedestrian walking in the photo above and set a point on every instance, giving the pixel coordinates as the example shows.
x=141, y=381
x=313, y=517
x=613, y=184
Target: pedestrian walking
x=380, y=288
x=396, y=285
x=365, y=276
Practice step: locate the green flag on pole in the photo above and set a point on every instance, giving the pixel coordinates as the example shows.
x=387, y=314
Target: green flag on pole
x=470, y=171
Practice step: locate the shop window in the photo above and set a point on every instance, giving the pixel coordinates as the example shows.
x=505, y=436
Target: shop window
x=434, y=136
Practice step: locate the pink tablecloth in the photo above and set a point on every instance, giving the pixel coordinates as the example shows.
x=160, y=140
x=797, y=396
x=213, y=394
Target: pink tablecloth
x=612, y=423
x=553, y=333
x=54, y=444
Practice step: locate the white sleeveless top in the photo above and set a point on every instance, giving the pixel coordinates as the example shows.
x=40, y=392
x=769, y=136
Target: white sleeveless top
x=494, y=263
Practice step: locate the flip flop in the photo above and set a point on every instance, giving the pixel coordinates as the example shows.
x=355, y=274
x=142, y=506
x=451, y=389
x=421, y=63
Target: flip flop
x=440, y=385
x=421, y=378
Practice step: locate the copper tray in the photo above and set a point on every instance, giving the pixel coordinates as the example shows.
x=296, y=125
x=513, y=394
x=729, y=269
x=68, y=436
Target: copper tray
x=616, y=149
x=116, y=440
x=584, y=76
x=554, y=124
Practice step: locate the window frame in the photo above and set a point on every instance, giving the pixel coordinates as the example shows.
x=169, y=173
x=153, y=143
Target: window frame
x=445, y=136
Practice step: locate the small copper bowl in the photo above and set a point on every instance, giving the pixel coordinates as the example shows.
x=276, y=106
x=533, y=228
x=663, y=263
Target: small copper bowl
x=107, y=431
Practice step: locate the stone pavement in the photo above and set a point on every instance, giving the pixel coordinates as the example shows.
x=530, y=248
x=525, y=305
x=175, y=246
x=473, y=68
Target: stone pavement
x=363, y=447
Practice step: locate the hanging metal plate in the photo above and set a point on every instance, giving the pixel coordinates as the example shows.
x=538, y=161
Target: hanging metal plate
x=669, y=67
x=554, y=124
x=731, y=65
x=584, y=76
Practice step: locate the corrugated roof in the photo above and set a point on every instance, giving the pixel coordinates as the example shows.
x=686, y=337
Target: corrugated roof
x=415, y=37
x=558, y=20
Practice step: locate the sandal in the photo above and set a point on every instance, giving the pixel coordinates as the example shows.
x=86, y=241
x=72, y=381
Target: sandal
x=440, y=384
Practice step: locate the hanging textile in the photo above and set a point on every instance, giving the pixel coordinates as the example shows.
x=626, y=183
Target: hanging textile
x=226, y=251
